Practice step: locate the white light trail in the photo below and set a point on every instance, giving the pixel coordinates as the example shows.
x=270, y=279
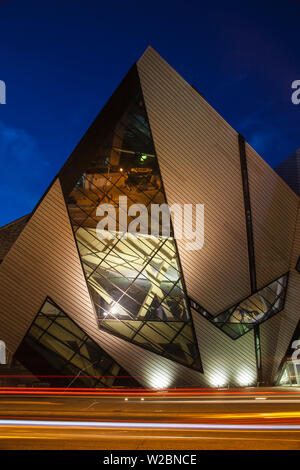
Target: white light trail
x=145, y=425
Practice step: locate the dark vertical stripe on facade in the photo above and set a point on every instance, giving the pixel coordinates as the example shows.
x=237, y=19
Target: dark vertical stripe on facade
x=250, y=242
x=248, y=216
x=257, y=346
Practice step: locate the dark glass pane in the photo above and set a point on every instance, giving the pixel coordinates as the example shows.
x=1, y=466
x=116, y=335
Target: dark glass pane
x=257, y=308
x=59, y=349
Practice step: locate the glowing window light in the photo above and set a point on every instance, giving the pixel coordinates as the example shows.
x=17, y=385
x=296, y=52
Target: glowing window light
x=114, y=309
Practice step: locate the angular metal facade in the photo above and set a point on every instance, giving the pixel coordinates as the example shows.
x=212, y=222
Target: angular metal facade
x=199, y=161
x=251, y=239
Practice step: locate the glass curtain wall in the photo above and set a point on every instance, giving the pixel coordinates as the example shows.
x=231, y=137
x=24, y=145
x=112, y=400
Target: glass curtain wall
x=135, y=281
x=259, y=307
x=59, y=352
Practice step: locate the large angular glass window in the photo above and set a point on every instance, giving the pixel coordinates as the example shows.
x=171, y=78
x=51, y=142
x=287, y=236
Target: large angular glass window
x=135, y=281
x=259, y=307
x=58, y=350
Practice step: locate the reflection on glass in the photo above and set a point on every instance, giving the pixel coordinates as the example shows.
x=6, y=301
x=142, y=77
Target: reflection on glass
x=257, y=308
x=134, y=281
x=290, y=374
x=58, y=349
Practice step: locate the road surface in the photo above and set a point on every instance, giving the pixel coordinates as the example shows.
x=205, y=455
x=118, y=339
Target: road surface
x=224, y=419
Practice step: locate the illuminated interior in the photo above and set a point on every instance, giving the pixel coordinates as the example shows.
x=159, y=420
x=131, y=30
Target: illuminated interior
x=290, y=374
x=135, y=281
x=252, y=311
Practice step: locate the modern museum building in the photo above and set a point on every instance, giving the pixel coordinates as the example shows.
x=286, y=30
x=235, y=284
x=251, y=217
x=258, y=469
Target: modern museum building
x=79, y=308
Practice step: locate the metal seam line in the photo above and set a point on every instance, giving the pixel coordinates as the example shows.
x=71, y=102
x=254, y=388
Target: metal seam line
x=250, y=242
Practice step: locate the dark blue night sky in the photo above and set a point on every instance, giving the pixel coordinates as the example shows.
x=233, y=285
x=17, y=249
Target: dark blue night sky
x=62, y=59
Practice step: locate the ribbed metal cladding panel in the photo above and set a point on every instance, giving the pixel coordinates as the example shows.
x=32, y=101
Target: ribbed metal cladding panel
x=274, y=211
x=269, y=332
x=44, y=262
x=276, y=333
x=200, y=164
x=288, y=321
x=225, y=361
x=291, y=314
x=9, y=233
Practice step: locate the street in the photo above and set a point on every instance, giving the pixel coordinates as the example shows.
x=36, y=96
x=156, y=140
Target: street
x=204, y=419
